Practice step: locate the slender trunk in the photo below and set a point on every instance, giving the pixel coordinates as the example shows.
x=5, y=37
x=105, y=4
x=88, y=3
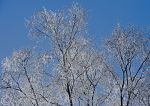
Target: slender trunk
x=122, y=87
x=93, y=96
x=69, y=94
x=70, y=100
x=121, y=98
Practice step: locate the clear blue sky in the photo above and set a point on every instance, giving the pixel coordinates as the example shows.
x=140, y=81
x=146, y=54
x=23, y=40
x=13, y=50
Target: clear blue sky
x=102, y=17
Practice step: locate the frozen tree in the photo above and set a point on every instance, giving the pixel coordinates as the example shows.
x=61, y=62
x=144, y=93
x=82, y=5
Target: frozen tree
x=22, y=79
x=144, y=91
x=65, y=31
x=130, y=55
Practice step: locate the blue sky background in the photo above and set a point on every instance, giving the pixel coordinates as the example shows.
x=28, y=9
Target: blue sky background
x=102, y=17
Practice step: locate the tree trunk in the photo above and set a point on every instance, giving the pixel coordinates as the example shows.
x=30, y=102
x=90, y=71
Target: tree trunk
x=69, y=94
x=121, y=99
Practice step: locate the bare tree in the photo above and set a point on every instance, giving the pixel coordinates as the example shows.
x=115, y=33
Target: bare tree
x=22, y=78
x=65, y=32
x=130, y=53
x=63, y=29
x=144, y=91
